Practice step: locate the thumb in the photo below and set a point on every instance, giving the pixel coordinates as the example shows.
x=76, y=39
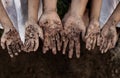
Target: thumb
x=40, y=31
x=83, y=34
x=3, y=42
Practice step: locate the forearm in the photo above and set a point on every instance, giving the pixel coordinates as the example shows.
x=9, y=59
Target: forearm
x=50, y=5
x=95, y=9
x=4, y=19
x=78, y=7
x=115, y=17
x=33, y=7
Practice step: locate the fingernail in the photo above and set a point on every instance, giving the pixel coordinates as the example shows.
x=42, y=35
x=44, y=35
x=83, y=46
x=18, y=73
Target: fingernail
x=19, y=51
x=78, y=56
x=16, y=54
x=11, y=56
x=63, y=52
x=70, y=57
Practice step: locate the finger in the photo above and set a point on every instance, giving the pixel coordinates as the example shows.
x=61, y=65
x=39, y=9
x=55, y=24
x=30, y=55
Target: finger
x=88, y=34
x=98, y=40
x=14, y=50
x=53, y=44
x=18, y=47
x=104, y=46
x=36, y=44
x=102, y=43
x=108, y=46
x=33, y=44
x=65, y=46
x=10, y=51
x=40, y=31
x=94, y=42
x=77, y=47
x=3, y=42
x=83, y=35
x=88, y=44
x=114, y=40
x=46, y=45
x=71, y=46
x=59, y=43
x=27, y=46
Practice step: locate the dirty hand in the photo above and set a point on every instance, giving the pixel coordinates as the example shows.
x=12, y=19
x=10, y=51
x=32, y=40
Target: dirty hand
x=32, y=34
x=51, y=24
x=73, y=27
x=93, y=35
x=109, y=38
x=11, y=40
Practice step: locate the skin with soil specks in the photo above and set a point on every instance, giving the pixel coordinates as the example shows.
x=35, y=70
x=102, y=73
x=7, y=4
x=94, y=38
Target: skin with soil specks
x=10, y=38
x=93, y=30
x=92, y=64
x=51, y=24
x=32, y=30
x=109, y=34
x=73, y=26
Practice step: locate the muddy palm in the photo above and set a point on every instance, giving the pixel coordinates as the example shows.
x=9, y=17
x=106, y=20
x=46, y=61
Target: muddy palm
x=93, y=30
x=51, y=24
x=109, y=34
x=10, y=38
x=32, y=31
x=73, y=27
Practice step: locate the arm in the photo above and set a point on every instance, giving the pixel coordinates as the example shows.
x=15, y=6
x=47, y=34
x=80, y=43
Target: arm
x=50, y=5
x=33, y=7
x=78, y=7
x=95, y=9
x=4, y=19
x=115, y=17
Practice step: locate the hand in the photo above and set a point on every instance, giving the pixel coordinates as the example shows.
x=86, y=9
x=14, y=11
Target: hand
x=32, y=34
x=51, y=24
x=93, y=35
x=73, y=26
x=109, y=38
x=11, y=40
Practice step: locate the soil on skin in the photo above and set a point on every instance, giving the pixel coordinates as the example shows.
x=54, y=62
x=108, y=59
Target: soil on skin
x=92, y=64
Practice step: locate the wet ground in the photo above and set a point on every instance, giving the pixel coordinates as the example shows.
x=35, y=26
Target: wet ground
x=92, y=64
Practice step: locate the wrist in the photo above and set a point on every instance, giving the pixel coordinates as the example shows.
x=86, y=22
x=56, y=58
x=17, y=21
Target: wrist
x=94, y=19
x=94, y=22
x=111, y=22
x=75, y=14
x=7, y=26
x=49, y=10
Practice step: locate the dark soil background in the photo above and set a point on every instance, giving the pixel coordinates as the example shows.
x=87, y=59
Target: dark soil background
x=91, y=64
